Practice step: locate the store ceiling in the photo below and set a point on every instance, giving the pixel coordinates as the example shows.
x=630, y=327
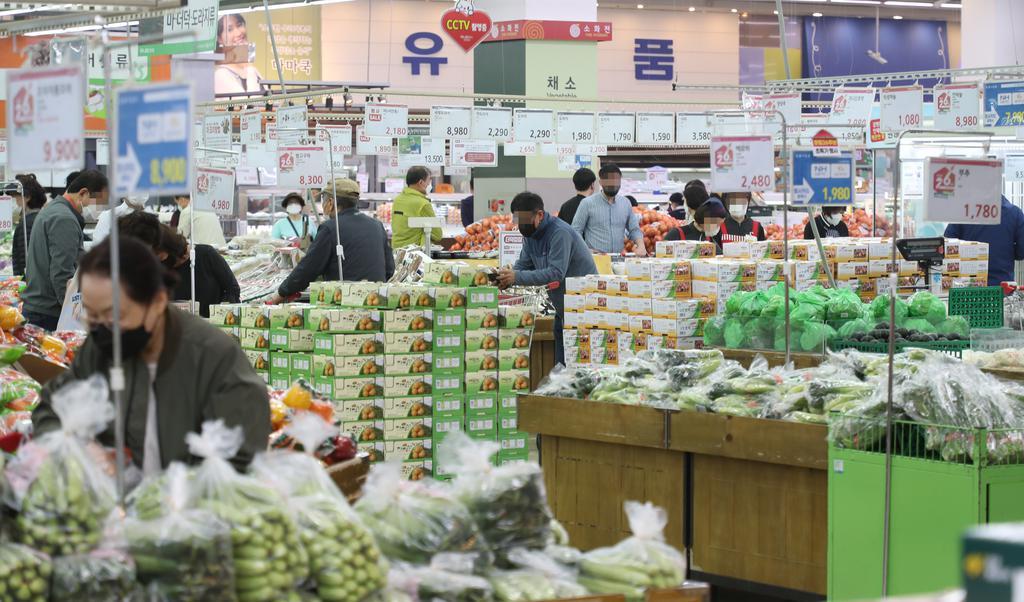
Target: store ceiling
x=943, y=10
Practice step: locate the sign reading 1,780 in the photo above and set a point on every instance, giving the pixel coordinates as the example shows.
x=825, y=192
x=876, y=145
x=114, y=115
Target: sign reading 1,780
x=152, y=134
x=822, y=180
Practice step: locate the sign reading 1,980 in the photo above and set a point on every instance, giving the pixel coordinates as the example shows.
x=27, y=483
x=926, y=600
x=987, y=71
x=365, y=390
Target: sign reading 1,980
x=152, y=139
x=822, y=180
x=963, y=191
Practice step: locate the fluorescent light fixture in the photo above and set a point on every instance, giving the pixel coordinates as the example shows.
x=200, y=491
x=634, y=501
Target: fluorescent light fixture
x=815, y=14
x=951, y=5
x=877, y=56
x=874, y=2
x=910, y=4
x=692, y=9
x=639, y=5
x=897, y=17
x=733, y=10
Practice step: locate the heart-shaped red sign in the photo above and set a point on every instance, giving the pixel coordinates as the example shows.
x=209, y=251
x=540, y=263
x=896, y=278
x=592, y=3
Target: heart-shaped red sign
x=466, y=30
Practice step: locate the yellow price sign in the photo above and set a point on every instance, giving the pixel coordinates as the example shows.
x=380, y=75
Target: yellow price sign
x=167, y=171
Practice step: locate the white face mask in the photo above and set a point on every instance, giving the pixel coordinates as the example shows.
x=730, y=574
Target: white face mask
x=834, y=219
x=738, y=211
x=293, y=209
x=430, y=188
x=712, y=230
x=89, y=212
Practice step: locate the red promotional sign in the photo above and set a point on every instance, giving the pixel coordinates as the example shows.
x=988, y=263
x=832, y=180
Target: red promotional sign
x=944, y=181
x=466, y=25
x=559, y=31
x=723, y=156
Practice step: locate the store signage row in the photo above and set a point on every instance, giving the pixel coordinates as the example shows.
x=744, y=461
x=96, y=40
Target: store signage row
x=560, y=31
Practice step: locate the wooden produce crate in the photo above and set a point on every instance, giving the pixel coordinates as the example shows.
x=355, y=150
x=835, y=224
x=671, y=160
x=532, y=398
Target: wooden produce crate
x=542, y=350
x=350, y=476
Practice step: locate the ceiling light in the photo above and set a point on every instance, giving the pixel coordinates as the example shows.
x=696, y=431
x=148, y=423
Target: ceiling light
x=877, y=57
x=775, y=12
x=744, y=15
x=639, y=5
x=951, y=5
x=692, y=9
x=815, y=14
x=911, y=4
x=897, y=17
x=733, y=10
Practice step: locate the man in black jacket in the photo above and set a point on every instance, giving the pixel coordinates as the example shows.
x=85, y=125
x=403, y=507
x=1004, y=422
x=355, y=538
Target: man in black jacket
x=583, y=180
x=367, y=252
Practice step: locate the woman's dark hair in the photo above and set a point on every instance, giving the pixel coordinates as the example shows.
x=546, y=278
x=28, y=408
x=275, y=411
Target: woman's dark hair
x=583, y=179
x=695, y=194
x=293, y=196
x=141, y=225
x=527, y=201
x=172, y=243
x=221, y=24
x=142, y=276
x=31, y=190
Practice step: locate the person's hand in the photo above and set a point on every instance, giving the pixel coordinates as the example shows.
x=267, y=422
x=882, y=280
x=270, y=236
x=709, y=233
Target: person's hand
x=641, y=249
x=275, y=300
x=506, y=278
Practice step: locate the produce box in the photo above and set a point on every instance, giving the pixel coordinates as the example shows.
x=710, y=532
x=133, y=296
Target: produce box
x=450, y=342
x=477, y=340
x=347, y=365
x=802, y=250
x=485, y=428
x=647, y=269
x=404, y=386
x=407, y=428
x=449, y=363
x=481, y=318
x=612, y=285
x=581, y=284
x=671, y=289
x=736, y=250
x=573, y=319
x=364, y=430
x=575, y=303
x=686, y=328
x=970, y=249
x=344, y=320
x=516, y=359
x=692, y=309
x=259, y=359
x=289, y=339
x=508, y=425
x=482, y=296
x=411, y=320
x=481, y=382
x=411, y=449
x=408, y=407
x=446, y=384
x=449, y=406
x=450, y=297
x=324, y=386
x=374, y=451
x=318, y=293
x=993, y=560
x=851, y=270
x=417, y=470
x=360, y=387
x=280, y=382
x=369, y=343
x=455, y=274
x=770, y=270
x=360, y=409
x=519, y=316
x=301, y=363
x=514, y=445
x=482, y=405
x=515, y=339
x=514, y=381
x=449, y=320
x=725, y=270
x=280, y=361
x=638, y=325
x=254, y=338
x=637, y=288
x=508, y=404
x=483, y=360
x=232, y=331
x=400, y=296
x=411, y=363
x=288, y=316
x=685, y=249
x=255, y=316
x=361, y=294
x=641, y=306
x=846, y=251
x=408, y=342
x=445, y=425
x=225, y=314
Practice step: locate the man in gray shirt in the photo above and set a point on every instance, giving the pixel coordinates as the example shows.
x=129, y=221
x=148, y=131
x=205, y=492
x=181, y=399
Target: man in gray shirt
x=605, y=218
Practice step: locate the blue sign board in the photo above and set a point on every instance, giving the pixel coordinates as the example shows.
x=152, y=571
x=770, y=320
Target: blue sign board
x=823, y=179
x=152, y=139
x=1004, y=104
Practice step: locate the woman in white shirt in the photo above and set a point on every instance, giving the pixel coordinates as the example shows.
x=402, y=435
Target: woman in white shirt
x=207, y=225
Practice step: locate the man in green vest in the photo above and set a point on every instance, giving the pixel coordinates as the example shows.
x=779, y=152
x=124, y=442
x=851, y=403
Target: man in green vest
x=412, y=202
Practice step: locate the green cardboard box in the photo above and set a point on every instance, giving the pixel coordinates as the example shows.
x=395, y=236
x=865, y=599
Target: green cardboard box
x=400, y=295
x=514, y=359
x=280, y=375
x=408, y=320
x=450, y=297
x=318, y=293
x=324, y=386
x=450, y=342
x=516, y=316
x=514, y=381
x=374, y=451
x=482, y=339
x=255, y=316
x=367, y=343
x=296, y=375
x=280, y=361
x=482, y=296
x=481, y=318
x=508, y=425
x=408, y=428
x=516, y=338
x=359, y=409
x=449, y=363
x=482, y=405
x=225, y=314
x=419, y=385
x=408, y=342
x=290, y=339
x=449, y=406
x=276, y=382
x=448, y=384
x=254, y=338
x=408, y=407
x=288, y=316
x=517, y=443
x=301, y=362
x=508, y=404
x=344, y=320
x=347, y=365
x=409, y=449
x=485, y=428
x=451, y=273
x=361, y=294
x=482, y=361
x=364, y=431
x=360, y=387
x=443, y=426
x=481, y=382
x=408, y=364
x=449, y=320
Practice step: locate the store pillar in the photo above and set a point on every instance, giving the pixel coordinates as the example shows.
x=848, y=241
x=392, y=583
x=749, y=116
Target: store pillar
x=991, y=33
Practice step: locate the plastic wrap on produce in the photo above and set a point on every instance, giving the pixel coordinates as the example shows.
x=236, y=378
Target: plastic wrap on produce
x=24, y=573
x=425, y=583
x=561, y=576
x=104, y=575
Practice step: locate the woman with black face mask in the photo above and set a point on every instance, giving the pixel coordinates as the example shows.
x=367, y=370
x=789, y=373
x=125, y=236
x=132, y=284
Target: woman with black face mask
x=179, y=371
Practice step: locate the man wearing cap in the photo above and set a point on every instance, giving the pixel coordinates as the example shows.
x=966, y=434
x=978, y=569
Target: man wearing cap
x=367, y=253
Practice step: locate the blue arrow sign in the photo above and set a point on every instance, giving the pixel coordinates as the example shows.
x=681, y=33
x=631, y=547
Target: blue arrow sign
x=822, y=180
x=152, y=139
x=1004, y=104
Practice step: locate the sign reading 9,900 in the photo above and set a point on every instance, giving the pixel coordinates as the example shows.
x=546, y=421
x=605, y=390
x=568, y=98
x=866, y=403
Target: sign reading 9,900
x=822, y=180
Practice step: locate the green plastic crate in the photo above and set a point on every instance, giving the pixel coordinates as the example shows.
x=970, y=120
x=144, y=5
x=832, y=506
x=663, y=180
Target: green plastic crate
x=982, y=306
x=954, y=348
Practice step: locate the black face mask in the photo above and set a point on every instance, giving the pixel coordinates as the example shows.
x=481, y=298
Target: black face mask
x=610, y=191
x=133, y=340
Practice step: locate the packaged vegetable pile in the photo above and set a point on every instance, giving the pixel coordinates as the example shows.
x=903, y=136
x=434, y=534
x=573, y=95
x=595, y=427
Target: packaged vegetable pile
x=24, y=573
x=58, y=487
x=435, y=584
x=104, y=575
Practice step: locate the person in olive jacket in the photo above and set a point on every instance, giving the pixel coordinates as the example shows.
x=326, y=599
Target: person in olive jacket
x=179, y=370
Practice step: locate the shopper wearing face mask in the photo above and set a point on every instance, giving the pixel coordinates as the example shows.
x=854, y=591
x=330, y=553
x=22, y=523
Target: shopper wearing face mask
x=706, y=224
x=28, y=202
x=412, y=202
x=738, y=226
x=552, y=251
x=606, y=218
x=297, y=225
x=56, y=245
x=179, y=370
x=206, y=229
x=830, y=224
x=128, y=205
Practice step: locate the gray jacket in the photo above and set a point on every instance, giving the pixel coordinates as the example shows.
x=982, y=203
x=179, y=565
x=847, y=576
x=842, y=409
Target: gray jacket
x=53, y=252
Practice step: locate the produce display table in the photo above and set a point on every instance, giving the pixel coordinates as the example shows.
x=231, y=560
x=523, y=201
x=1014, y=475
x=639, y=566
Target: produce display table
x=689, y=592
x=542, y=350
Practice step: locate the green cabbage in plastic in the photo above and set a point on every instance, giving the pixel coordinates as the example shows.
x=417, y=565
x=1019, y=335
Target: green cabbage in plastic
x=955, y=325
x=815, y=335
x=736, y=333
x=926, y=305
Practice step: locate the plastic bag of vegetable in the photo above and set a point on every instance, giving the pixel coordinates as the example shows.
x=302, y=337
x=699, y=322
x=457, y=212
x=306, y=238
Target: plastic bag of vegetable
x=927, y=306
x=878, y=310
x=62, y=494
x=815, y=336
x=24, y=573
x=104, y=575
x=561, y=576
x=954, y=325
x=714, y=332
x=414, y=520
x=436, y=584
x=269, y=559
x=180, y=553
x=344, y=562
x=844, y=305
x=807, y=312
x=576, y=382
x=508, y=502
x=637, y=563
x=736, y=334
x=858, y=326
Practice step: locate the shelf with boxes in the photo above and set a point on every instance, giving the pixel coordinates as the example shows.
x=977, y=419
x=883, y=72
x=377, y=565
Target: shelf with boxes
x=403, y=364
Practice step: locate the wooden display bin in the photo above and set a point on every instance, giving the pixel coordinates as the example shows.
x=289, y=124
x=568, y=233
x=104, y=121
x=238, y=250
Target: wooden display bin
x=542, y=350
x=690, y=592
x=350, y=476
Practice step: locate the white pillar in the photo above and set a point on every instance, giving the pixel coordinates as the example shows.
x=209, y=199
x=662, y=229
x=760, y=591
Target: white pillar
x=992, y=33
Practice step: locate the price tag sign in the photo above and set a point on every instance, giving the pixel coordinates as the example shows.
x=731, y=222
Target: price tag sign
x=386, y=120
x=963, y=191
x=790, y=104
x=692, y=129
x=153, y=152
x=260, y=155
x=616, y=128
x=822, y=180
x=450, y=122
x=533, y=125
x=217, y=131
x=45, y=123
x=372, y=145
x=291, y=124
x=340, y=141
x=852, y=105
x=510, y=246
x=742, y=164
x=7, y=213
x=419, y=150
x=214, y=190
x=250, y=127
x=301, y=167
x=901, y=108
x=491, y=123
x=521, y=149
x=1014, y=168
x=474, y=153
x=1004, y=103
x=102, y=151
x=957, y=106
x=575, y=128
x=655, y=128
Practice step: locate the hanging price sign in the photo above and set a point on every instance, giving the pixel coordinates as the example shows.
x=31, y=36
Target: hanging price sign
x=521, y=149
x=474, y=153
x=742, y=164
x=372, y=145
x=43, y=130
x=1014, y=168
x=450, y=122
x=291, y=124
x=419, y=150
x=6, y=213
x=214, y=190
x=575, y=128
x=852, y=105
x=655, y=128
x=491, y=123
x=152, y=150
x=250, y=127
x=822, y=180
x=963, y=191
x=510, y=246
x=386, y=120
x=616, y=128
x=217, y=131
x=103, y=151
x=340, y=140
x=901, y=108
x=790, y=104
x=533, y=125
x=692, y=129
x=957, y=106
x=301, y=167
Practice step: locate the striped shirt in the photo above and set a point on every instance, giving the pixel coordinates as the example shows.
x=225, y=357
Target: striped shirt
x=604, y=226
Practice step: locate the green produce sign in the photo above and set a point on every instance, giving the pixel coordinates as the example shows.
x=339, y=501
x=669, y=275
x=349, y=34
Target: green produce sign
x=199, y=16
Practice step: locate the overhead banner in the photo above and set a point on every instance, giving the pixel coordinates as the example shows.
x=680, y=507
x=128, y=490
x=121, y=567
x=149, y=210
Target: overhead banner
x=963, y=191
x=742, y=164
x=957, y=106
x=560, y=31
x=153, y=150
x=45, y=128
x=197, y=16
